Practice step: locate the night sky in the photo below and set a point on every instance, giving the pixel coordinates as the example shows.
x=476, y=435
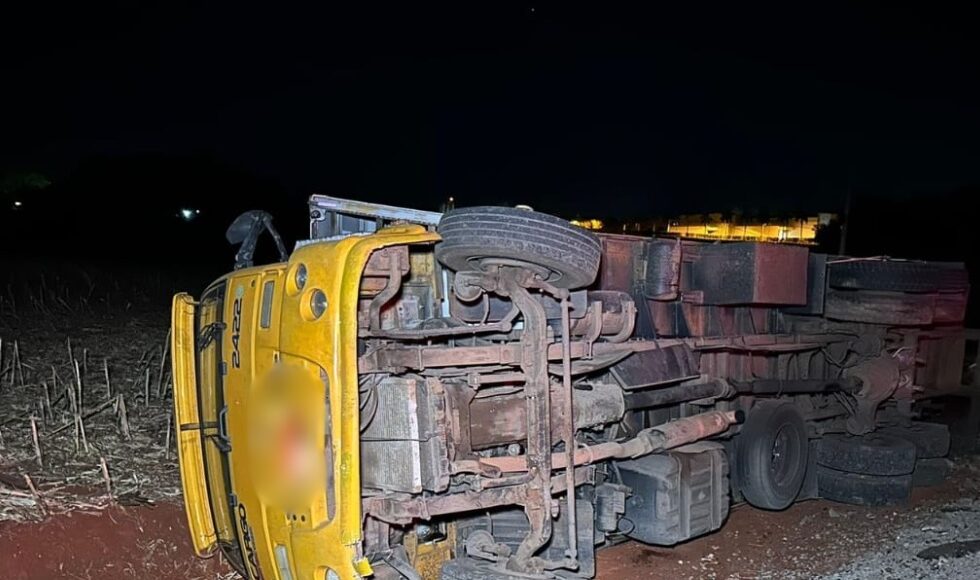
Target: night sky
x=597, y=109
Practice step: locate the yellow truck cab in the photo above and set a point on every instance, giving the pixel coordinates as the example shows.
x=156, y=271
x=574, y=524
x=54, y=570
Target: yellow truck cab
x=413, y=395
x=251, y=398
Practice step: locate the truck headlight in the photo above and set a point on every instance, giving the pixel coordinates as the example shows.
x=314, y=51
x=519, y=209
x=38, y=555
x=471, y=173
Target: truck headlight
x=299, y=277
x=317, y=304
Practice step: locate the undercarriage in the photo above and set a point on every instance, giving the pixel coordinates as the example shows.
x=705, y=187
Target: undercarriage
x=530, y=391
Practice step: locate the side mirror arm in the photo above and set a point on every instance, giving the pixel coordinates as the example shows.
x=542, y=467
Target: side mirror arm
x=256, y=222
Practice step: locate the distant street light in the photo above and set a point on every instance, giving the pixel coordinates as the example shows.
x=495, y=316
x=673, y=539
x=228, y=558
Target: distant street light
x=189, y=213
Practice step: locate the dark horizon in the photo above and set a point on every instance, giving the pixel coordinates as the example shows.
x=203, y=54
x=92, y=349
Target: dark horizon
x=659, y=110
x=133, y=112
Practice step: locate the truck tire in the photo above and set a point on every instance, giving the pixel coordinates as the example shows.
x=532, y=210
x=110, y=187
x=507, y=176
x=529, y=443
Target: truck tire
x=463, y=568
x=873, y=454
x=884, y=275
x=860, y=489
x=772, y=452
x=471, y=236
x=931, y=471
x=930, y=439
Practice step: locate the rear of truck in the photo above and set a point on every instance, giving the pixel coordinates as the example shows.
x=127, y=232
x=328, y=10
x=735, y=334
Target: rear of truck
x=495, y=393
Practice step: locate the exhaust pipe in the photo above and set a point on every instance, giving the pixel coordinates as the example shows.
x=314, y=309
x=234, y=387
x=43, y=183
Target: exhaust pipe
x=655, y=439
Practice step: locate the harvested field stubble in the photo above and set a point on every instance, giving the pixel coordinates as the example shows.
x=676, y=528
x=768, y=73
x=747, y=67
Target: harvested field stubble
x=85, y=398
x=89, y=483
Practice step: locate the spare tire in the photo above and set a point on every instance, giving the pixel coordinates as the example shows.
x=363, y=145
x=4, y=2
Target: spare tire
x=930, y=439
x=859, y=489
x=873, y=454
x=475, y=237
x=897, y=276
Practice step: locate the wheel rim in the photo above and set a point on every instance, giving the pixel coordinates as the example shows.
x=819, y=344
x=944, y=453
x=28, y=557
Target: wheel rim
x=781, y=462
x=488, y=263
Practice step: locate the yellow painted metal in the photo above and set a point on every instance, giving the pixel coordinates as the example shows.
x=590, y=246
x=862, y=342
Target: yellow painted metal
x=249, y=353
x=209, y=405
x=189, y=449
x=300, y=370
x=428, y=558
x=330, y=538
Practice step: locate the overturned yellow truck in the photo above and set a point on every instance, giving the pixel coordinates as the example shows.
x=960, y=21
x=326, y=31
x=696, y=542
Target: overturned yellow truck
x=494, y=393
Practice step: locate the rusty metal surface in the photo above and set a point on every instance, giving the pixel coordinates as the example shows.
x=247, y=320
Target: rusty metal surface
x=526, y=373
x=943, y=359
x=879, y=378
x=568, y=429
x=398, y=357
x=662, y=437
x=383, y=260
x=514, y=381
x=816, y=283
x=389, y=292
x=678, y=394
x=653, y=367
x=873, y=307
x=534, y=345
x=690, y=318
x=405, y=510
x=663, y=269
x=502, y=419
x=610, y=313
x=695, y=428
x=749, y=273
x=402, y=510
x=458, y=399
x=950, y=308
x=621, y=258
x=497, y=420
x=494, y=308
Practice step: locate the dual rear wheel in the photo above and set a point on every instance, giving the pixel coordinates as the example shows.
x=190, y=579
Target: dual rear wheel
x=871, y=470
x=883, y=467
x=774, y=460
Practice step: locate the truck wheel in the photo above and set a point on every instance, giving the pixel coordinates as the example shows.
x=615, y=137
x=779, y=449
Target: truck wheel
x=931, y=471
x=860, y=489
x=873, y=454
x=930, y=439
x=473, y=237
x=772, y=452
x=464, y=568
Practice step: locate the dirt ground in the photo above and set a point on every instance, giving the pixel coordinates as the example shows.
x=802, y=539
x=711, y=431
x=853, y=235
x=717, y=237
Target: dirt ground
x=92, y=381
x=139, y=542
x=811, y=539
x=806, y=541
